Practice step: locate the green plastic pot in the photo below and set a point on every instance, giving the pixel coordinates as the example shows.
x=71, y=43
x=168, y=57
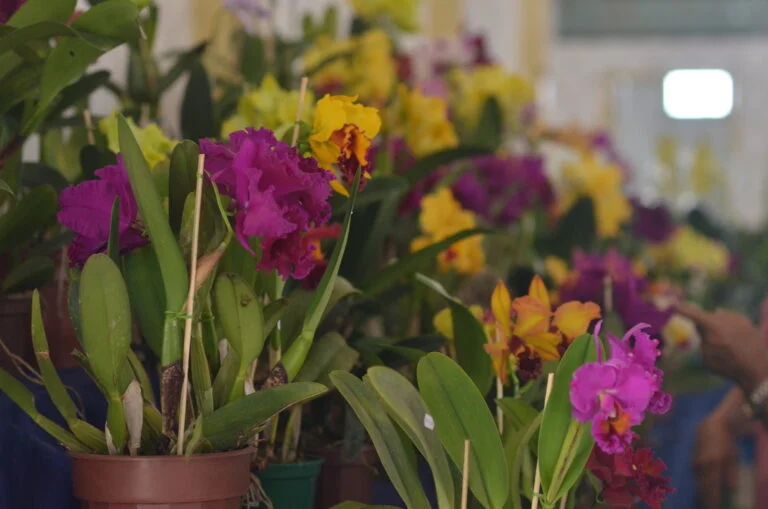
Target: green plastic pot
x=291, y=485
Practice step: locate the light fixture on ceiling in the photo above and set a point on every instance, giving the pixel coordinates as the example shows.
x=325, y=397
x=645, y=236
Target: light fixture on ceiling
x=690, y=94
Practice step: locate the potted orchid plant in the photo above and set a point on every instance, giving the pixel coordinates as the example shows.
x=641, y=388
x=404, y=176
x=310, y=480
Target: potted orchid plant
x=592, y=402
x=242, y=212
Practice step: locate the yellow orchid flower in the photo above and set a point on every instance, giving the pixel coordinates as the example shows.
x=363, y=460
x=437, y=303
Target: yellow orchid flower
x=403, y=13
x=154, y=144
x=423, y=122
x=442, y=216
x=268, y=106
x=342, y=134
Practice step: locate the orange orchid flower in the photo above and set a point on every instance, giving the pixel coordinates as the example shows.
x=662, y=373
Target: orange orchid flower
x=528, y=322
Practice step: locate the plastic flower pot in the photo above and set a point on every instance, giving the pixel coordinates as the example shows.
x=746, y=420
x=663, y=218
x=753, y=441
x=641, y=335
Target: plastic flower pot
x=291, y=485
x=343, y=479
x=205, y=481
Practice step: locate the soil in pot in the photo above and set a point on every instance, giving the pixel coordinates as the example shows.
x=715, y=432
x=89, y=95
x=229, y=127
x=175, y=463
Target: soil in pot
x=291, y=485
x=343, y=479
x=205, y=481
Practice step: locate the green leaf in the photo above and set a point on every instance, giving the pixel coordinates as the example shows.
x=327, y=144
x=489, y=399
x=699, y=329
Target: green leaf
x=328, y=353
x=92, y=158
x=113, y=242
x=85, y=432
x=253, y=60
x=360, y=505
x=30, y=274
x=405, y=406
x=35, y=11
x=27, y=217
x=39, y=174
x=413, y=262
x=25, y=400
x=234, y=424
x=145, y=288
x=183, y=63
x=152, y=211
x=115, y=19
x=78, y=91
x=393, y=452
x=564, y=453
x=490, y=127
x=427, y=165
x=5, y=187
x=239, y=313
x=15, y=39
x=468, y=338
x=516, y=446
x=378, y=189
x=182, y=180
x=460, y=413
x=106, y=333
x=197, y=119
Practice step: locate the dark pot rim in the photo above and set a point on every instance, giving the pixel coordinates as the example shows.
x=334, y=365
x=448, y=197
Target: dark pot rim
x=160, y=458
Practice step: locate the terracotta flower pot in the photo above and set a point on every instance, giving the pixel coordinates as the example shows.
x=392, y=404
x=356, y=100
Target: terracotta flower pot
x=205, y=481
x=345, y=479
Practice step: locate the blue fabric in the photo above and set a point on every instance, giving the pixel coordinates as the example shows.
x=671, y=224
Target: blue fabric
x=674, y=440
x=34, y=469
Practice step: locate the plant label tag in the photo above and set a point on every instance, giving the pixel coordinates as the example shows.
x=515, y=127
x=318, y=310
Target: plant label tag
x=429, y=422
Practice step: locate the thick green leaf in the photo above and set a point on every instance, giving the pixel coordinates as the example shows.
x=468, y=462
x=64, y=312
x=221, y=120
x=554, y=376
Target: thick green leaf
x=35, y=11
x=490, y=127
x=18, y=38
x=413, y=262
x=197, y=119
x=115, y=20
x=39, y=174
x=253, y=60
x=460, y=413
x=329, y=353
x=152, y=211
x=377, y=190
x=106, y=333
x=182, y=179
x=92, y=158
x=427, y=165
x=25, y=400
x=405, y=406
x=360, y=505
x=469, y=339
x=183, y=63
x=240, y=315
x=27, y=217
x=77, y=91
x=234, y=424
x=145, y=288
x=568, y=443
x=113, y=242
x=393, y=452
x=85, y=432
x=5, y=187
x=19, y=85
x=516, y=446
x=30, y=274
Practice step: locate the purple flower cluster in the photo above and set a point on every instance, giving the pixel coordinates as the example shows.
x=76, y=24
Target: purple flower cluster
x=86, y=209
x=616, y=394
x=587, y=283
x=654, y=224
x=8, y=8
x=277, y=196
x=498, y=188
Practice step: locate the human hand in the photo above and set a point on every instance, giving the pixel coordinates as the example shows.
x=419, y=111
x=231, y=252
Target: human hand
x=731, y=345
x=715, y=461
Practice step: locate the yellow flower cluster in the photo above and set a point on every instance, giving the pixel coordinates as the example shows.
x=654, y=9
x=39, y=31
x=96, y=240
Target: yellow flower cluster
x=442, y=216
x=690, y=250
x=403, y=13
x=423, y=122
x=268, y=106
x=602, y=183
x=154, y=144
x=473, y=88
x=369, y=72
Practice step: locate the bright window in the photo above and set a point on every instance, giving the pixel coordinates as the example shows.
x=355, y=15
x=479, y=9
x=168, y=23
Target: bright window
x=698, y=94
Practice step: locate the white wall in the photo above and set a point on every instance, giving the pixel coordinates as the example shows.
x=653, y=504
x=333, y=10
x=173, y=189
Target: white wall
x=583, y=73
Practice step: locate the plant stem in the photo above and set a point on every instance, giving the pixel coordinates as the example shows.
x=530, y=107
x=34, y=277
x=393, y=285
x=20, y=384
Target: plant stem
x=537, y=479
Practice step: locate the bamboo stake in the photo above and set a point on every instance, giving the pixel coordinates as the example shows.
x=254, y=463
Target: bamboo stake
x=499, y=410
x=608, y=293
x=299, y=108
x=465, y=476
x=190, y=305
x=88, y=120
x=537, y=479
x=564, y=501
